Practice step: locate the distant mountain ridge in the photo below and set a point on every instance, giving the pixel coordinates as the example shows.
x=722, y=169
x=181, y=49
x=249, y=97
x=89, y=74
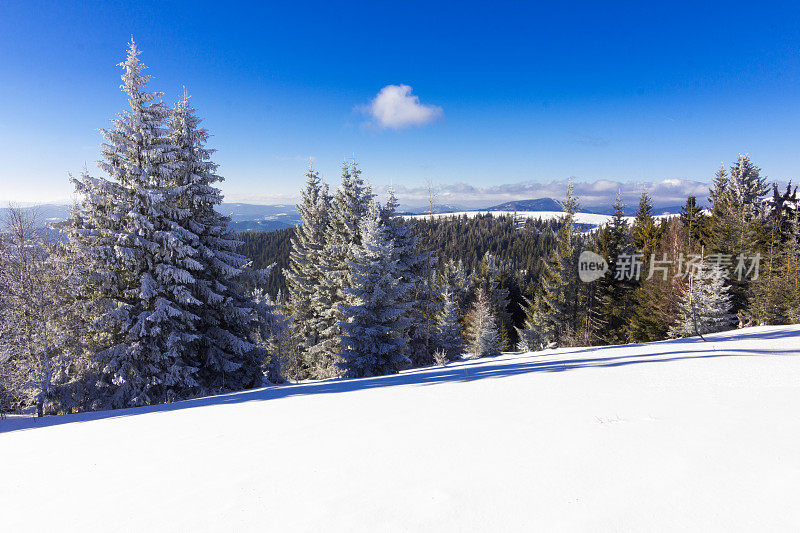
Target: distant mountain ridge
x=537, y=204
x=255, y=217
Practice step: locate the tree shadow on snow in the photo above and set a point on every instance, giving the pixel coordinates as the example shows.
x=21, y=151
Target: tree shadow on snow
x=460, y=371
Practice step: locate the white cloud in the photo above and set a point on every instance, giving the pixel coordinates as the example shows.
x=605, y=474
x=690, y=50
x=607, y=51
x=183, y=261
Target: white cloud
x=396, y=108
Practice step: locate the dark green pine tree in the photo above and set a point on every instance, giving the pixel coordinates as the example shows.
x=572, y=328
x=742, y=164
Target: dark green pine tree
x=555, y=304
x=694, y=223
x=771, y=294
x=616, y=288
x=646, y=230
x=644, y=322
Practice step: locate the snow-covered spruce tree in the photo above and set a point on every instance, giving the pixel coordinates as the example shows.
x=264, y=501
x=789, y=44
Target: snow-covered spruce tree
x=460, y=282
x=127, y=229
x=736, y=209
x=491, y=274
x=278, y=337
x=530, y=337
x=748, y=186
x=705, y=305
x=449, y=338
x=374, y=320
x=416, y=268
x=349, y=205
x=224, y=348
x=304, y=273
x=484, y=339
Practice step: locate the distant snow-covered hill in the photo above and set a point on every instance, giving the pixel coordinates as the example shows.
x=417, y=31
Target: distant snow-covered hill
x=539, y=204
x=244, y=217
x=588, y=220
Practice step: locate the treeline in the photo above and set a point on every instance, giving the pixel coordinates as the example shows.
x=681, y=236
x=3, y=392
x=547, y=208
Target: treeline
x=698, y=273
x=518, y=252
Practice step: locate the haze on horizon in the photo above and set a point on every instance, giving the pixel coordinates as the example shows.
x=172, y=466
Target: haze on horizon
x=490, y=102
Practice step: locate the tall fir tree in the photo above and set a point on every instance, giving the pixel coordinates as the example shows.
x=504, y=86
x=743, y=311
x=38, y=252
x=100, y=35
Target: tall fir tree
x=646, y=231
x=616, y=288
x=417, y=269
x=748, y=186
x=376, y=315
x=736, y=220
x=127, y=228
x=349, y=205
x=771, y=295
x=225, y=349
x=556, y=305
x=304, y=275
x=647, y=234
x=694, y=223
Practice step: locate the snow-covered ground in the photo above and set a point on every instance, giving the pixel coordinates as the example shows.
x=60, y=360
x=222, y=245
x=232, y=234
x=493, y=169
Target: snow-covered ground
x=672, y=435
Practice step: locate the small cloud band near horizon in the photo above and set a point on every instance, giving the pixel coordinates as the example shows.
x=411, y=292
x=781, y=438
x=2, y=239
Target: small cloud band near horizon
x=598, y=193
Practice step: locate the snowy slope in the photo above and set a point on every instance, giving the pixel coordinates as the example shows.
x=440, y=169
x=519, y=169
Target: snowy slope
x=664, y=436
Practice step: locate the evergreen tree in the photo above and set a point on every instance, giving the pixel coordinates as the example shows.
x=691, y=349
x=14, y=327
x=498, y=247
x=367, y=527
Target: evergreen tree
x=304, y=276
x=416, y=267
x=127, y=229
x=771, y=294
x=349, y=205
x=225, y=350
x=646, y=232
x=484, y=339
x=492, y=276
x=616, y=289
x=705, y=306
x=722, y=222
x=373, y=323
x=530, y=338
x=694, y=222
x=278, y=338
x=461, y=283
x=748, y=186
x=449, y=338
x=791, y=269
x=736, y=220
x=556, y=305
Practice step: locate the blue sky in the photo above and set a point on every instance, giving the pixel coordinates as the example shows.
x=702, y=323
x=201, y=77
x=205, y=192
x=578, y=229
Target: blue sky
x=507, y=92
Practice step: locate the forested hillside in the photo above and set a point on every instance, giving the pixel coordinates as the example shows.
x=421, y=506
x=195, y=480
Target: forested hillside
x=463, y=238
